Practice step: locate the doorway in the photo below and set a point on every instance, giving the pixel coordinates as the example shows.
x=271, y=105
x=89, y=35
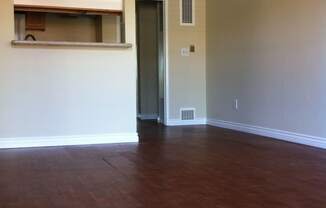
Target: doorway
x=151, y=60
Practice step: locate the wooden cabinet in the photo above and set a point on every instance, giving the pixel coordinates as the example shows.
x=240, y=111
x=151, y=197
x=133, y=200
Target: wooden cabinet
x=35, y=21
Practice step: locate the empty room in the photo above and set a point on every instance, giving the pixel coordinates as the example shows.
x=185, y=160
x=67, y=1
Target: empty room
x=162, y=104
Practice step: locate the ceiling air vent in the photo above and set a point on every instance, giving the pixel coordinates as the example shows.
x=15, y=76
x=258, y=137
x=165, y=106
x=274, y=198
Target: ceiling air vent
x=187, y=114
x=187, y=12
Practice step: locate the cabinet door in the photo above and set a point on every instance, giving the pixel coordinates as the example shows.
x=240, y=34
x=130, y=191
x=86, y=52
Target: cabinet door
x=35, y=21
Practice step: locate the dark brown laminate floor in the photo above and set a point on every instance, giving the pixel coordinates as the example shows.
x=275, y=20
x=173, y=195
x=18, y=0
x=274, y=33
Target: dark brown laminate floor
x=190, y=167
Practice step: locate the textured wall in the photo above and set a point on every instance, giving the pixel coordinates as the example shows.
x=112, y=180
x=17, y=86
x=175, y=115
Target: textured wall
x=269, y=54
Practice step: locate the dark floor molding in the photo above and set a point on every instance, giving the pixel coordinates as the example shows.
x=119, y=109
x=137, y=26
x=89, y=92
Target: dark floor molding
x=145, y=117
x=293, y=137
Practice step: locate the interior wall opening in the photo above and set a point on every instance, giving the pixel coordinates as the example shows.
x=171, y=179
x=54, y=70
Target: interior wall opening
x=151, y=59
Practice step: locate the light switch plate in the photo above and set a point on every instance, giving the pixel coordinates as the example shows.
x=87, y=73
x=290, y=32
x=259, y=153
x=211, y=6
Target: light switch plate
x=185, y=52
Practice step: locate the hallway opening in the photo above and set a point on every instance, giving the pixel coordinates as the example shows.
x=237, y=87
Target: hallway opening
x=151, y=59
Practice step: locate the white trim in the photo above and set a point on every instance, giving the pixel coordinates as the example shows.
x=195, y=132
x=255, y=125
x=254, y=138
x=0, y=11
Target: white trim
x=114, y=5
x=193, y=14
x=148, y=117
x=179, y=122
x=272, y=133
x=23, y=142
x=166, y=52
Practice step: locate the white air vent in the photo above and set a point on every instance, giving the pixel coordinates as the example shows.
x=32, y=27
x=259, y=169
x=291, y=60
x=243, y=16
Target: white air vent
x=188, y=114
x=187, y=12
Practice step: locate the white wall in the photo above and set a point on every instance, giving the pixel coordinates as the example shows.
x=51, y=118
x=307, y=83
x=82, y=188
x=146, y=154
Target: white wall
x=93, y=4
x=269, y=54
x=48, y=91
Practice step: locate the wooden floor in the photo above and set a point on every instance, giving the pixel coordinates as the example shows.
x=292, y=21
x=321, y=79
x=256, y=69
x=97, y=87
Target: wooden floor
x=175, y=167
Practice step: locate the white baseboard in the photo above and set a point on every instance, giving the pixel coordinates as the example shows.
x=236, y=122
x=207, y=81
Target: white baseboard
x=309, y=140
x=67, y=140
x=147, y=117
x=179, y=122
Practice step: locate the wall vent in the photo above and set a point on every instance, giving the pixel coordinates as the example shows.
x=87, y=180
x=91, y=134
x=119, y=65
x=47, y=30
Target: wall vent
x=187, y=12
x=188, y=114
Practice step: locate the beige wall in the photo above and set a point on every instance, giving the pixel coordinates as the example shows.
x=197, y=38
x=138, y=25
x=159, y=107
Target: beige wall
x=269, y=54
x=187, y=79
x=66, y=91
x=111, y=29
